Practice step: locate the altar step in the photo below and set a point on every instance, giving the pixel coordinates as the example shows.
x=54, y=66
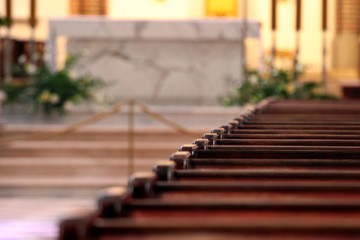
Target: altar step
x=98, y=133
x=65, y=176
x=101, y=149
x=71, y=167
x=51, y=186
x=80, y=163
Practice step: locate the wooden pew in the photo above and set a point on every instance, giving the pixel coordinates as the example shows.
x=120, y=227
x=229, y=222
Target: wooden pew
x=276, y=184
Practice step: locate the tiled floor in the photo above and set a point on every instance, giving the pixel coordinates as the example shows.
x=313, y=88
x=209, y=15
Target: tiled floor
x=36, y=218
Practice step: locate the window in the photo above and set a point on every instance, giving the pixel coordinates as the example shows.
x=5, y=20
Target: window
x=88, y=7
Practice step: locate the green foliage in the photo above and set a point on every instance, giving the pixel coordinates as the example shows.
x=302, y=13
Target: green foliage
x=23, y=68
x=49, y=91
x=14, y=92
x=280, y=84
x=4, y=21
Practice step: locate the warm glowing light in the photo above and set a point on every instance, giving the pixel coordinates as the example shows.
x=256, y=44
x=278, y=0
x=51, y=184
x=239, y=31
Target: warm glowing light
x=221, y=8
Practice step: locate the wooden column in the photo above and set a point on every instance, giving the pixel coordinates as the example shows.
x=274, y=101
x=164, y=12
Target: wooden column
x=346, y=52
x=8, y=47
x=243, y=38
x=324, y=52
x=273, y=29
x=32, y=23
x=297, y=38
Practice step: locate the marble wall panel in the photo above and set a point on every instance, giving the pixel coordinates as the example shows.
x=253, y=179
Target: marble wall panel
x=171, y=71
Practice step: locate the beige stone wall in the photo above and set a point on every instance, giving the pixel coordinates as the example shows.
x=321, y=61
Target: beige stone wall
x=345, y=48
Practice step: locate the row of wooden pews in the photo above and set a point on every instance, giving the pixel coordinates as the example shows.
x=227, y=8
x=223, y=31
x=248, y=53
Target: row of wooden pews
x=282, y=170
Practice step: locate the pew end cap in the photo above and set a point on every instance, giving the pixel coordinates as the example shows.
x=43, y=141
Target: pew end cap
x=110, y=201
x=141, y=184
x=181, y=158
x=164, y=170
x=201, y=143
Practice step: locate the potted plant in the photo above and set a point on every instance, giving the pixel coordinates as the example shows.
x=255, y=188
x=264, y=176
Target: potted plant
x=50, y=92
x=280, y=83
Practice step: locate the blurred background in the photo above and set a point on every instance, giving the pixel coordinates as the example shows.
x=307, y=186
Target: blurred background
x=176, y=60
x=342, y=61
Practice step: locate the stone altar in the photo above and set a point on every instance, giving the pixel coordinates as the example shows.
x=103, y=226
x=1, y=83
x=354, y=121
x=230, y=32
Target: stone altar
x=172, y=61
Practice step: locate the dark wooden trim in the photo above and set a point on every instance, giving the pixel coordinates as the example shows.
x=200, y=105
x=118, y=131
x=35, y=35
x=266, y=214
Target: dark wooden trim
x=269, y=173
x=287, y=162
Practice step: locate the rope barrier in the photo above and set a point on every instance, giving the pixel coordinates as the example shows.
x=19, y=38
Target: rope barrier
x=166, y=121
x=97, y=117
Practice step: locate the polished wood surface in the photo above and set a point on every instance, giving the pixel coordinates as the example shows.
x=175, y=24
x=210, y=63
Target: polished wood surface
x=285, y=170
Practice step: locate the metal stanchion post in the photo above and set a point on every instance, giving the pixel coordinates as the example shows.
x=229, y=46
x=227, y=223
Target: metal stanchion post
x=131, y=133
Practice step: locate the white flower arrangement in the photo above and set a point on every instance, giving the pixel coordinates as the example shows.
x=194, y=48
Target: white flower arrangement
x=22, y=59
x=54, y=98
x=31, y=69
x=68, y=105
x=44, y=96
x=3, y=96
